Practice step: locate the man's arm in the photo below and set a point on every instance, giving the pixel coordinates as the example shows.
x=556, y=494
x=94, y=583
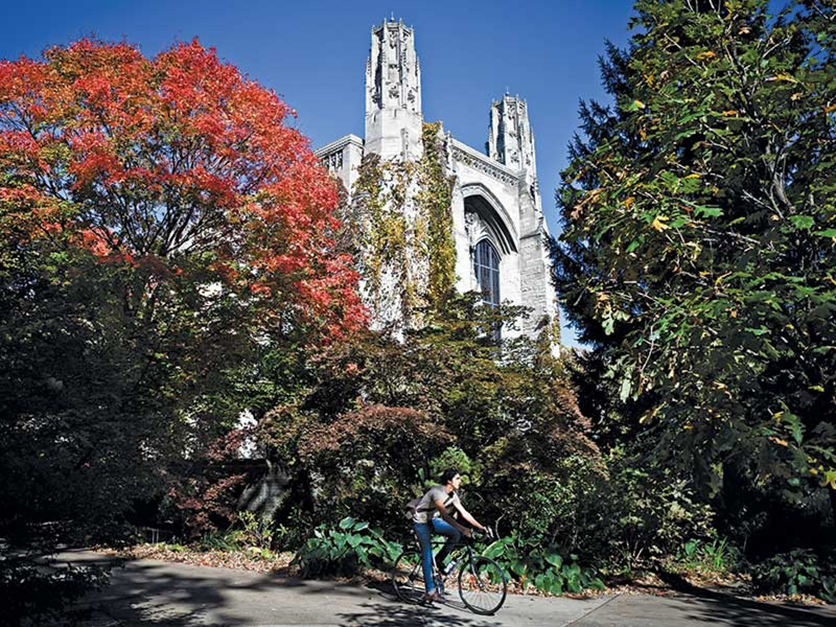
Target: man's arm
x=449, y=519
x=469, y=517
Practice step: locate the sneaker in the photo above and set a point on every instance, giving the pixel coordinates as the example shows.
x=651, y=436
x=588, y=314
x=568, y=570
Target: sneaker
x=436, y=596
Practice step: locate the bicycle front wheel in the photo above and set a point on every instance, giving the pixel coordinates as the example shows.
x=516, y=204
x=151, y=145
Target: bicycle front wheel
x=408, y=577
x=482, y=586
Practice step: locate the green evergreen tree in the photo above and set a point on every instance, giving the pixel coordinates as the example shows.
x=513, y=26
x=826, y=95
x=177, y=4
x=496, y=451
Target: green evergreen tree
x=699, y=248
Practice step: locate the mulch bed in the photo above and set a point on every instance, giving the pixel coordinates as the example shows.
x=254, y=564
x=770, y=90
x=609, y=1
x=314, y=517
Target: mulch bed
x=279, y=563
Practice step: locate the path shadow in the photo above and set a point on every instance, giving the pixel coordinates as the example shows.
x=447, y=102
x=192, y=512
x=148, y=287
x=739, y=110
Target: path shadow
x=146, y=592
x=391, y=614
x=391, y=611
x=721, y=608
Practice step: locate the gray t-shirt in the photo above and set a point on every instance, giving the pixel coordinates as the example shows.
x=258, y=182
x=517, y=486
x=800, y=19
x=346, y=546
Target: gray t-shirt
x=426, y=508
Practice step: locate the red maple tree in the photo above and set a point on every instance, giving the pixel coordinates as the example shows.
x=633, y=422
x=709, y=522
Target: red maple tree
x=172, y=165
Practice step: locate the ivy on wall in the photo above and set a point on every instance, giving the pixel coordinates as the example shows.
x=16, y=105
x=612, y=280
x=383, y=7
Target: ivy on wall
x=435, y=198
x=405, y=232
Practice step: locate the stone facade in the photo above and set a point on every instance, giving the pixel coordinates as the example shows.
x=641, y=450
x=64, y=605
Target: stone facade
x=496, y=198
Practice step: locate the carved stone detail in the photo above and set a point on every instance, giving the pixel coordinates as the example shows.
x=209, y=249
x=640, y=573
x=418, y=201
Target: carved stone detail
x=483, y=166
x=333, y=160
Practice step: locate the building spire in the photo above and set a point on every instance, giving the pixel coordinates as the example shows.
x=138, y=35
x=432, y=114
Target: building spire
x=393, y=93
x=510, y=138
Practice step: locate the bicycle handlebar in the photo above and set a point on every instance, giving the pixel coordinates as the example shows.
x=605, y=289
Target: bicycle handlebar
x=488, y=532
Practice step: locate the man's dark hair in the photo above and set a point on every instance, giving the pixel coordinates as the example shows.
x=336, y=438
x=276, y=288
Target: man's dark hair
x=447, y=476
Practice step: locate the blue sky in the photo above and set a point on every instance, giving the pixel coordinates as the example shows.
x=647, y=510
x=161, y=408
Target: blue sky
x=314, y=55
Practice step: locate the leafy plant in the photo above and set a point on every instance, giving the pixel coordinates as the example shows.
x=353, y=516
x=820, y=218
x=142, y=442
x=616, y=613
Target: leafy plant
x=257, y=531
x=718, y=555
x=220, y=540
x=546, y=569
x=453, y=457
x=796, y=572
x=345, y=550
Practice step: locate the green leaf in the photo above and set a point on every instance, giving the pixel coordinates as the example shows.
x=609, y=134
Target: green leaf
x=495, y=549
x=826, y=233
x=625, y=389
x=708, y=212
x=802, y=221
x=347, y=523
x=796, y=428
x=554, y=559
x=518, y=567
x=597, y=584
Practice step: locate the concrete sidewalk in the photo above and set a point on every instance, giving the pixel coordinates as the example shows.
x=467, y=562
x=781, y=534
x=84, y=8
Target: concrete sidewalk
x=149, y=592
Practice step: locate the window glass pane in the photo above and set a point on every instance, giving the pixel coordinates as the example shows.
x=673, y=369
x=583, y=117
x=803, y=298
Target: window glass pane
x=486, y=269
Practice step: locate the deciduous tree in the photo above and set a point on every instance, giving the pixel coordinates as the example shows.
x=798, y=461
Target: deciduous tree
x=162, y=226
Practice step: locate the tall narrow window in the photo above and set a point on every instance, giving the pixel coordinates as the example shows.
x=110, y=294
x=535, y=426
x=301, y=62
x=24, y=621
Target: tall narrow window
x=486, y=267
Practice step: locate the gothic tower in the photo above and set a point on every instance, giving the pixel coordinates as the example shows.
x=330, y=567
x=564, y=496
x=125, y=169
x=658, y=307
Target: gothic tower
x=498, y=228
x=510, y=138
x=393, y=93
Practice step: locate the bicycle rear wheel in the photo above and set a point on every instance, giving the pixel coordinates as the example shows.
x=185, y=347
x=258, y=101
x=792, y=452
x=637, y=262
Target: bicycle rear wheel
x=482, y=585
x=408, y=577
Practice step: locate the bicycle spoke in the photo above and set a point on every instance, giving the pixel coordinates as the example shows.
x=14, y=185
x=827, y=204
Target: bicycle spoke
x=482, y=585
x=408, y=577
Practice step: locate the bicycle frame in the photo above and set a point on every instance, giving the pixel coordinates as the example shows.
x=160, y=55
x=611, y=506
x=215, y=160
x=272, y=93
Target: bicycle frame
x=456, y=554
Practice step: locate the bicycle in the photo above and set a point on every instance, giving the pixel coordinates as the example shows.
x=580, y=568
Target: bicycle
x=481, y=581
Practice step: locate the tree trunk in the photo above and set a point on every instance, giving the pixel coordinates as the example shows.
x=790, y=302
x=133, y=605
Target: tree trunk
x=832, y=493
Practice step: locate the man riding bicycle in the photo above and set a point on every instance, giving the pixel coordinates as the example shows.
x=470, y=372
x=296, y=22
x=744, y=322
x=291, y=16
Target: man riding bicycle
x=432, y=514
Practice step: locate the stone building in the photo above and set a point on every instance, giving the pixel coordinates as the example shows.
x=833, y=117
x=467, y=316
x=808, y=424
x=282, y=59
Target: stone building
x=498, y=223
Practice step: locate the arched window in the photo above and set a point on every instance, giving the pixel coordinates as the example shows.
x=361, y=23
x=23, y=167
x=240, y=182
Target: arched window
x=486, y=268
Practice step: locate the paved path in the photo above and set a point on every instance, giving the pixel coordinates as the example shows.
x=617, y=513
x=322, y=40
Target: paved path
x=149, y=592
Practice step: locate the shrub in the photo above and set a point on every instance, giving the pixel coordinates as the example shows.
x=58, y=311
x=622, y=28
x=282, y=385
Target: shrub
x=365, y=463
x=555, y=507
x=346, y=550
x=36, y=595
x=545, y=568
x=454, y=457
x=796, y=572
x=650, y=514
x=610, y=510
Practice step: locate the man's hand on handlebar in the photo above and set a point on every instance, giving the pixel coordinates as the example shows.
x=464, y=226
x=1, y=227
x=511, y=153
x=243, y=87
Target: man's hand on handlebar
x=486, y=533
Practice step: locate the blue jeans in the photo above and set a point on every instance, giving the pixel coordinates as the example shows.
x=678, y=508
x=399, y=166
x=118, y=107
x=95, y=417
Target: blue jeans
x=424, y=532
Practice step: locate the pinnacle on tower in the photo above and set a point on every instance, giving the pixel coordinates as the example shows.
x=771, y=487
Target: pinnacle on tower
x=393, y=93
x=510, y=138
